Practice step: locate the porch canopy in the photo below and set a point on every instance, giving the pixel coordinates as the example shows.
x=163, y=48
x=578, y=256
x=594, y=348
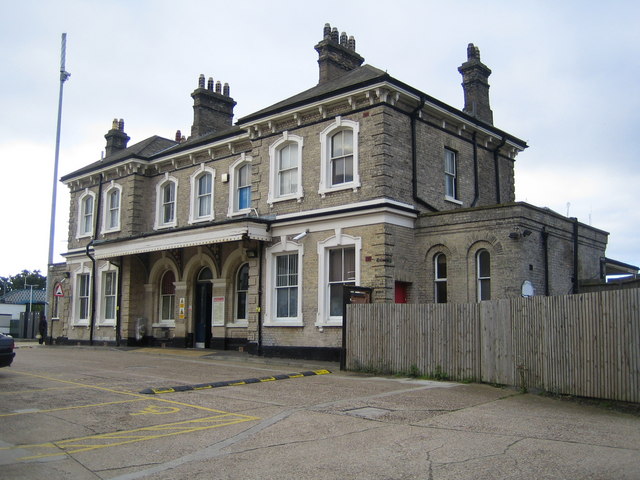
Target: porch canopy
x=167, y=240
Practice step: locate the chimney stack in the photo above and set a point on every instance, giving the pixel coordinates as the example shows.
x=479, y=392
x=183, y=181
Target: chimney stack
x=475, y=83
x=116, y=138
x=337, y=54
x=212, y=108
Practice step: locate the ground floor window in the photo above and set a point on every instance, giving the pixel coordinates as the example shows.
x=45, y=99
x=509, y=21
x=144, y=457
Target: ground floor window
x=109, y=295
x=440, y=267
x=167, y=297
x=83, y=296
x=483, y=269
x=242, y=289
x=342, y=271
x=287, y=286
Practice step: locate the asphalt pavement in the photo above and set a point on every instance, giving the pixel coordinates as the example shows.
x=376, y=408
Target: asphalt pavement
x=123, y=413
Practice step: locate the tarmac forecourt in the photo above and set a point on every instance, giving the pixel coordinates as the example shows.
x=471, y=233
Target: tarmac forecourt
x=233, y=383
x=144, y=407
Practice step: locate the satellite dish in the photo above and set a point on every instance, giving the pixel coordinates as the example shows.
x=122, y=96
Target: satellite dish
x=527, y=289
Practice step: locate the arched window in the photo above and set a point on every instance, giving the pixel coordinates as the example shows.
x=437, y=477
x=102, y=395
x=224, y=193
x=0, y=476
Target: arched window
x=167, y=297
x=339, y=156
x=285, y=179
x=166, y=194
x=440, y=277
x=240, y=191
x=242, y=289
x=483, y=269
x=202, y=195
x=112, y=208
x=85, y=214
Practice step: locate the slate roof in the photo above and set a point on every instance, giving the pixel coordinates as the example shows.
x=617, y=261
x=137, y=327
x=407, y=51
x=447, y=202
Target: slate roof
x=23, y=297
x=142, y=150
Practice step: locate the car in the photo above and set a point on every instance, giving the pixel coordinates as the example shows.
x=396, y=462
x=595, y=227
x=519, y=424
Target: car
x=6, y=350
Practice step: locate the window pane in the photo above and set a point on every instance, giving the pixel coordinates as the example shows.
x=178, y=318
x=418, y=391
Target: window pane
x=204, y=184
x=167, y=283
x=485, y=289
x=484, y=268
x=244, y=198
x=441, y=292
x=347, y=142
x=241, y=307
x=243, y=277
x=441, y=266
x=348, y=169
x=336, y=145
x=335, y=300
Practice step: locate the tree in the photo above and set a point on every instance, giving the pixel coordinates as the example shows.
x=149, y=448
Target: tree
x=22, y=280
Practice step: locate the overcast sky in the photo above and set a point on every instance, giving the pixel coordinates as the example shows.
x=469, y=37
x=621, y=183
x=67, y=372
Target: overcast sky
x=565, y=79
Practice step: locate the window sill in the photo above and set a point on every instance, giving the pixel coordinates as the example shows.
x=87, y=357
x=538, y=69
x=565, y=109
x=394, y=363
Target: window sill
x=239, y=213
x=296, y=196
x=165, y=324
x=337, y=188
x=453, y=200
x=243, y=324
x=283, y=323
x=165, y=226
x=330, y=323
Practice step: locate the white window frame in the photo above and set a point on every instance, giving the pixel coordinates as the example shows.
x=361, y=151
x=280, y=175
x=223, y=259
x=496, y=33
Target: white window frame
x=338, y=240
x=107, y=269
x=274, y=168
x=451, y=176
x=85, y=227
x=82, y=272
x=108, y=209
x=437, y=279
x=233, y=189
x=159, y=221
x=166, y=322
x=194, y=211
x=240, y=322
x=284, y=247
x=479, y=278
x=326, y=185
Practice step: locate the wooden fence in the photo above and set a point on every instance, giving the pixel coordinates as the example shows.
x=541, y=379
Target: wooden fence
x=586, y=345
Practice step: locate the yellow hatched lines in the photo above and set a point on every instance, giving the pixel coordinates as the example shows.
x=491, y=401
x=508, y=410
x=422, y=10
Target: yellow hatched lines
x=74, y=407
x=114, y=439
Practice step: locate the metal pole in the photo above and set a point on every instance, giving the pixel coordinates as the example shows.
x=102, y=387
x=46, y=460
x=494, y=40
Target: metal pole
x=64, y=76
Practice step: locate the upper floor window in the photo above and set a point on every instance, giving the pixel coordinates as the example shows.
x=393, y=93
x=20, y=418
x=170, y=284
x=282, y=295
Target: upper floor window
x=202, y=195
x=240, y=191
x=483, y=270
x=113, y=197
x=450, y=174
x=440, y=269
x=85, y=214
x=285, y=180
x=339, y=156
x=166, y=202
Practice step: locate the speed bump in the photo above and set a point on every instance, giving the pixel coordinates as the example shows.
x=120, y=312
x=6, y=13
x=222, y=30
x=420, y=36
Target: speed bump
x=232, y=383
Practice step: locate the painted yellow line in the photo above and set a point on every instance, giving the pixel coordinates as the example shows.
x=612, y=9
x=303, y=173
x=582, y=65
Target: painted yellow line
x=120, y=392
x=114, y=439
x=48, y=410
x=174, y=351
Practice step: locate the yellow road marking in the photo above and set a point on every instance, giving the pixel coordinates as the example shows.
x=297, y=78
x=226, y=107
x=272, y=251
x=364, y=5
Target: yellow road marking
x=120, y=392
x=175, y=352
x=48, y=410
x=114, y=439
x=153, y=410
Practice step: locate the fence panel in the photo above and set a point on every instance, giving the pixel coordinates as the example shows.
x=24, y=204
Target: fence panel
x=586, y=345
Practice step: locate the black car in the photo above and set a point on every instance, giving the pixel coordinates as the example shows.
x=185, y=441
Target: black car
x=6, y=350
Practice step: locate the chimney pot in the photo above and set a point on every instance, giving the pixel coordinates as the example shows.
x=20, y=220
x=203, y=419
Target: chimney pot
x=343, y=39
x=218, y=87
x=352, y=43
x=336, y=54
x=210, y=84
x=335, y=35
x=116, y=138
x=225, y=90
x=326, y=33
x=201, y=81
x=178, y=136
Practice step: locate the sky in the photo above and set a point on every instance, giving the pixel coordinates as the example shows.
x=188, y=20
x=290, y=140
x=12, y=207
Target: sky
x=565, y=80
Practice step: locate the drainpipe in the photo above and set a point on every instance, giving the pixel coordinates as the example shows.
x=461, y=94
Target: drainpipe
x=118, y=300
x=545, y=252
x=496, y=167
x=576, y=288
x=476, y=173
x=96, y=229
x=414, y=158
x=260, y=255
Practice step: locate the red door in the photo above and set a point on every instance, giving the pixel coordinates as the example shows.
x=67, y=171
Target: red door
x=401, y=292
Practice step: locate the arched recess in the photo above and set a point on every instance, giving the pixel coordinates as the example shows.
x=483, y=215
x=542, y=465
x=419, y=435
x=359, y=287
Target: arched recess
x=153, y=287
x=200, y=273
x=472, y=266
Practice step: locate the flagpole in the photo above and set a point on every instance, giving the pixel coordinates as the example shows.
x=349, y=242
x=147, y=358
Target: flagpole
x=64, y=76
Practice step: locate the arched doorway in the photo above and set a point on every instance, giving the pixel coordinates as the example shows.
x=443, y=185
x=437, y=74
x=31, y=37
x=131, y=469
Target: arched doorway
x=202, y=314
